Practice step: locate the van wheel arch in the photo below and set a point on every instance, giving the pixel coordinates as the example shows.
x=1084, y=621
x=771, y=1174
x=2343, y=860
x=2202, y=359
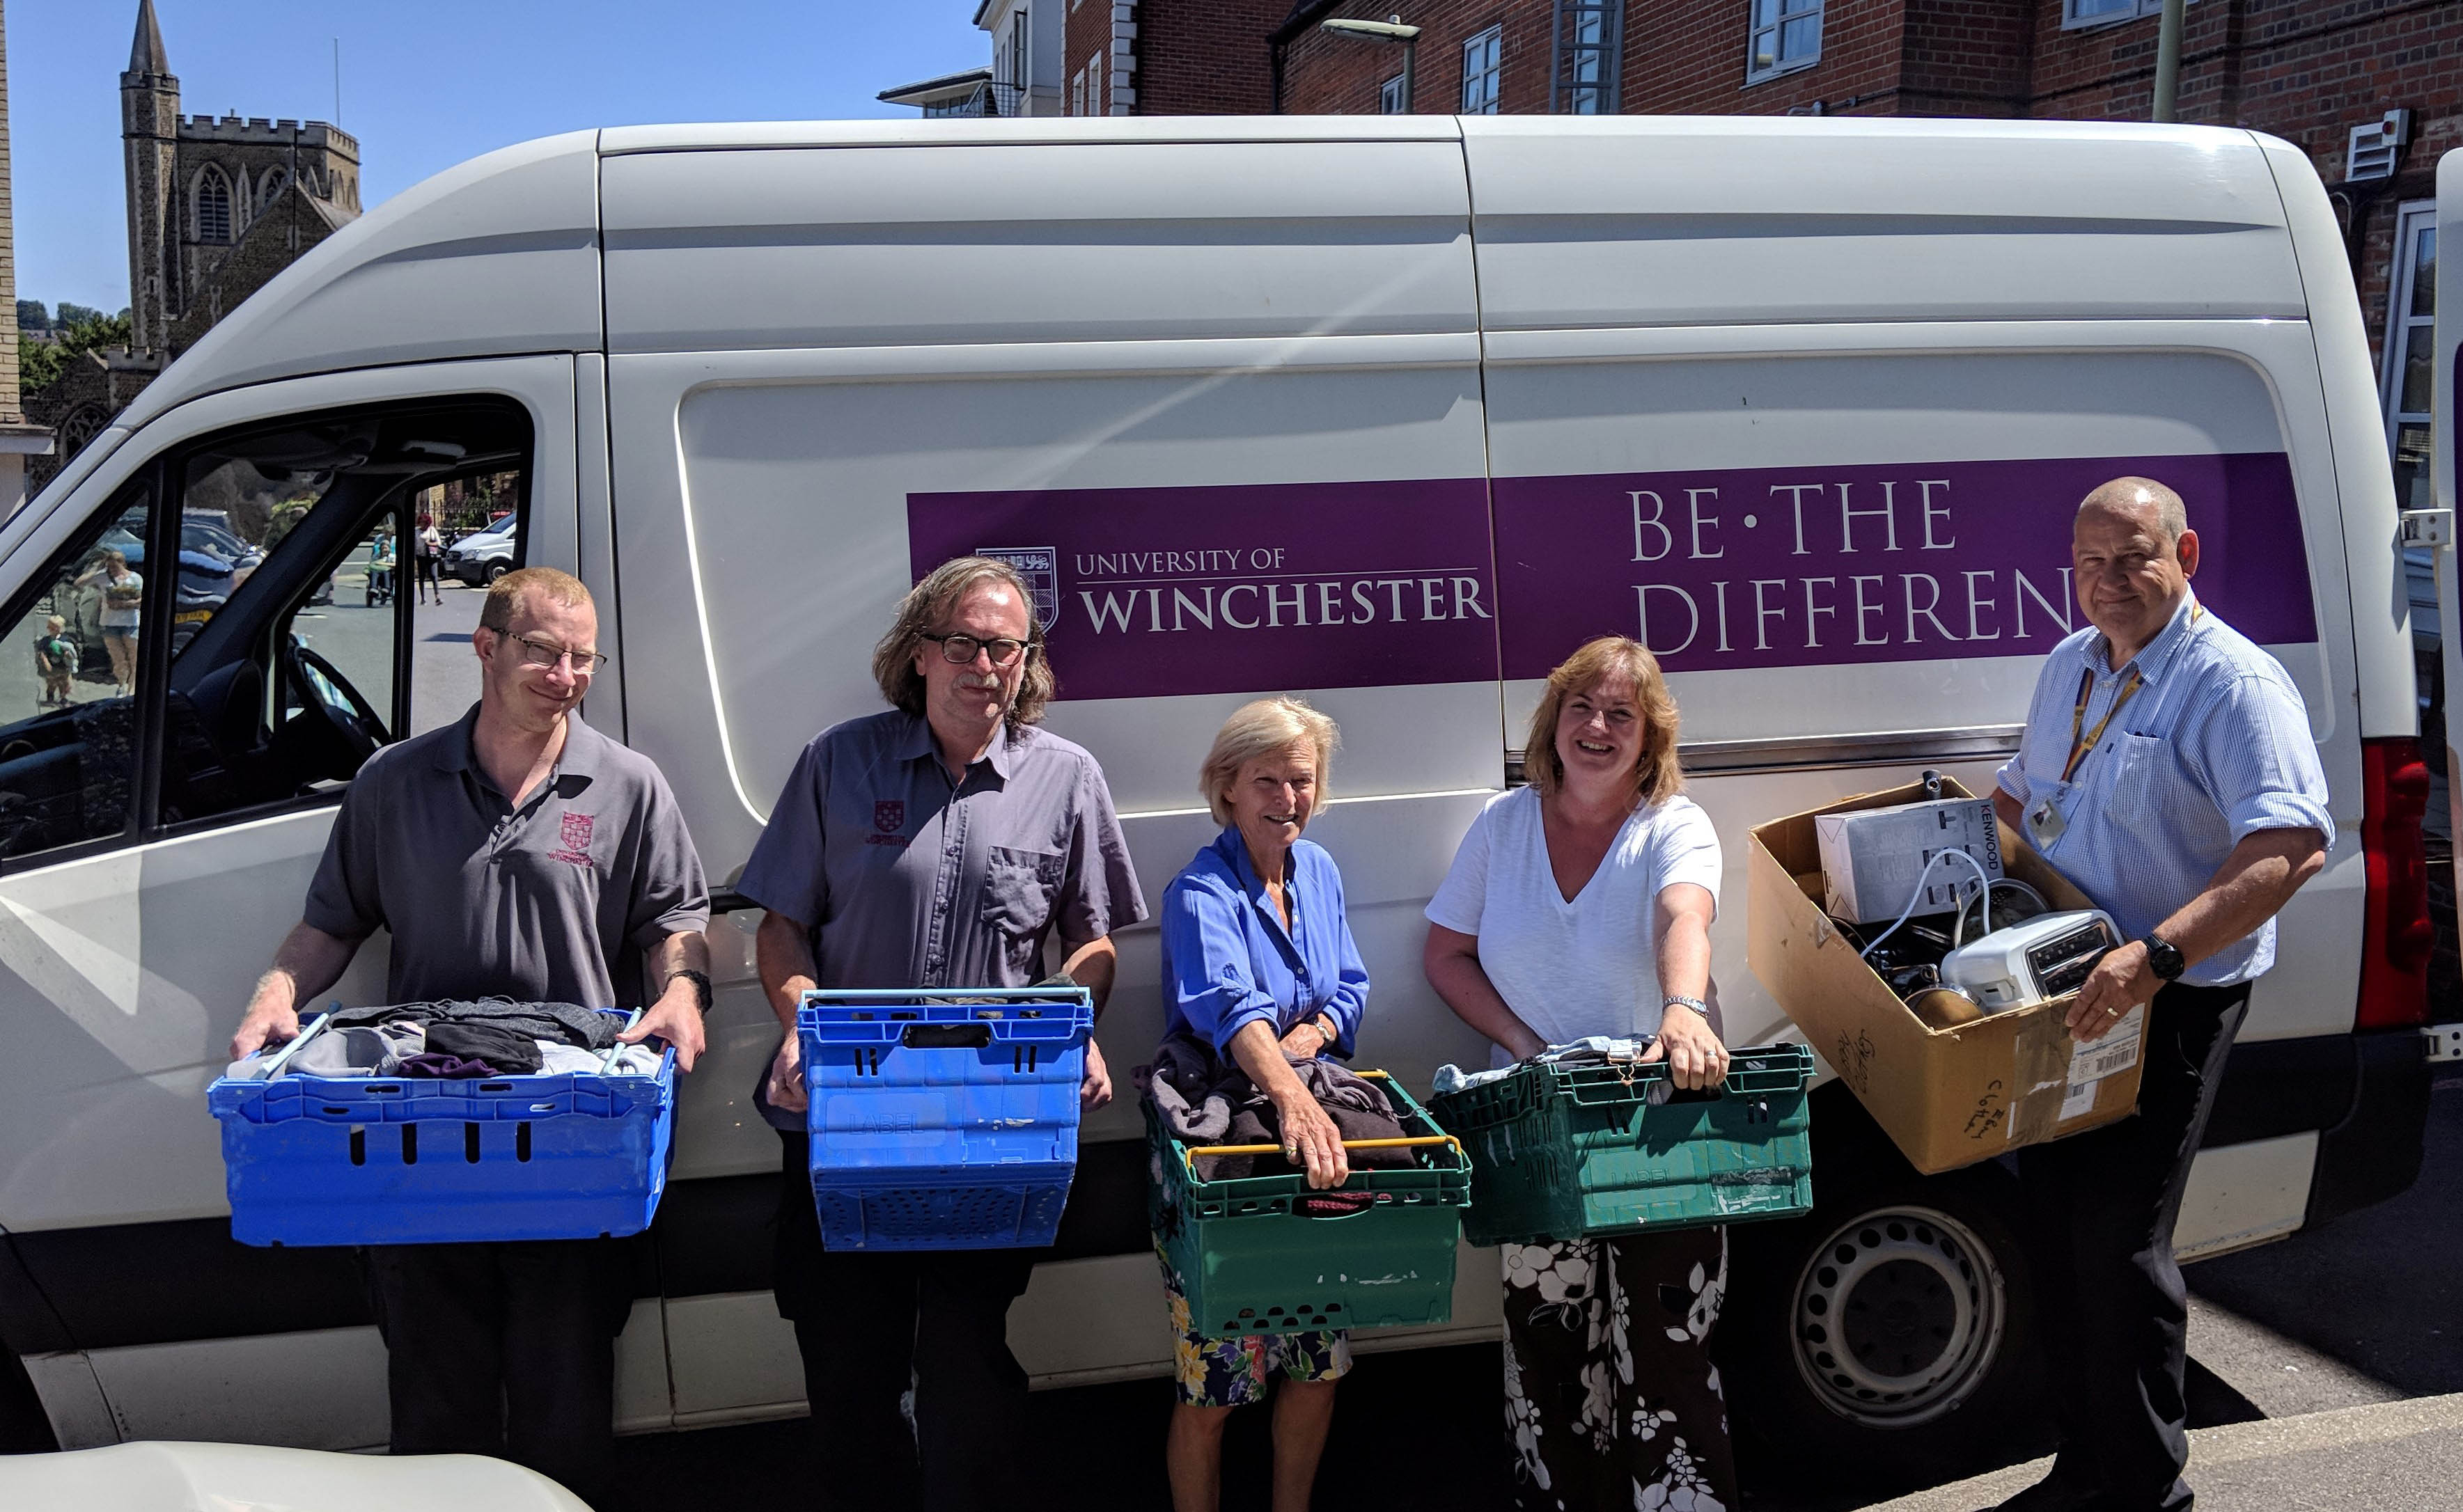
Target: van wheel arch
x=1892, y=1331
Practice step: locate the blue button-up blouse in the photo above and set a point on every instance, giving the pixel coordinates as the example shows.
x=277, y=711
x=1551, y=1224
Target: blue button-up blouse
x=1228, y=962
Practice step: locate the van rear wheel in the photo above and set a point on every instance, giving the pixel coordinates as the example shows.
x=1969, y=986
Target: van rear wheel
x=1890, y=1330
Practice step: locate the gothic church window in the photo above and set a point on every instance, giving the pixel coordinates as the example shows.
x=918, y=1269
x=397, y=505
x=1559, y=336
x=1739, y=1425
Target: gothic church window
x=213, y=205
x=268, y=187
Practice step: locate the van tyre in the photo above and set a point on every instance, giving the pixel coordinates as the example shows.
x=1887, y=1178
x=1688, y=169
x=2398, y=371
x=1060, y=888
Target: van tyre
x=1888, y=1336
x=496, y=570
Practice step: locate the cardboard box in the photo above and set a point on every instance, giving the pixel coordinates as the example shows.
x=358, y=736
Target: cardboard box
x=1946, y=1097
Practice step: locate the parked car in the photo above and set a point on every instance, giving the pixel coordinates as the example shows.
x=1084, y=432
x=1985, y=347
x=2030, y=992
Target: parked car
x=484, y=555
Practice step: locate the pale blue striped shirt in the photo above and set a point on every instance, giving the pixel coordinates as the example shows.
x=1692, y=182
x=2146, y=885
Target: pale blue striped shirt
x=2214, y=747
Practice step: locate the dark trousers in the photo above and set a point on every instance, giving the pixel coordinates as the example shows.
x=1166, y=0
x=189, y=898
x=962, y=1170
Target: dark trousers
x=2111, y=1307
x=872, y=1325
x=505, y=1350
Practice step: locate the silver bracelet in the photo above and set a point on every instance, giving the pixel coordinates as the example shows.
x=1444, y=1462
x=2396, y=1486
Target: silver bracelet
x=1695, y=1004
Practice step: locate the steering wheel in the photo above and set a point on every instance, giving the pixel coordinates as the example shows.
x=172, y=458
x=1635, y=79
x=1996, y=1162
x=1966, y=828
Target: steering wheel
x=353, y=724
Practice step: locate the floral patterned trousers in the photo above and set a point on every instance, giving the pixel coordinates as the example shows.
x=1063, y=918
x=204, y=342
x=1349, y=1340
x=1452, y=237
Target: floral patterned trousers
x=1611, y=1400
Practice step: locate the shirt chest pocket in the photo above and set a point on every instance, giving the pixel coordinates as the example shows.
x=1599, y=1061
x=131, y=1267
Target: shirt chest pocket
x=2141, y=766
x=1018, y=888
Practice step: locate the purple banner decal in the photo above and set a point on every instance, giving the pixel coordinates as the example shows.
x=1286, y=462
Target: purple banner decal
x=1790, y=567
x=1241, y=589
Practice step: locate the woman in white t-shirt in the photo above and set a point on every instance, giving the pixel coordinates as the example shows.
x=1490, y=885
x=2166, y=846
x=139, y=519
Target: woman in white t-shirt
x=1576, y=906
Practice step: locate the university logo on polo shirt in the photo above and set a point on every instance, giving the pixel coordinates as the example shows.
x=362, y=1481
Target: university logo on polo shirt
x=574, y=834
x=888, y=817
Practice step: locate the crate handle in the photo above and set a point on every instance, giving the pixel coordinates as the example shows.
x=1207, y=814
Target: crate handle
x=1188, y=1157
x=946, y=1036
x=607, y=1067
x=273, y=1068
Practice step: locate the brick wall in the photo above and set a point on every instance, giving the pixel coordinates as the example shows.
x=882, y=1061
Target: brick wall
x=1328, y=74
x=1205, y=57
x=1086, y=35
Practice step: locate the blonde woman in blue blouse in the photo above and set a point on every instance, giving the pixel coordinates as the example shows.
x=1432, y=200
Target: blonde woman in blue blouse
x=1259, y=963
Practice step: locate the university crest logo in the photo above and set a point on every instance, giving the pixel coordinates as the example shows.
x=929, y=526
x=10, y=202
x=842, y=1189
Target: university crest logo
x=889, y=815
x=574, y=832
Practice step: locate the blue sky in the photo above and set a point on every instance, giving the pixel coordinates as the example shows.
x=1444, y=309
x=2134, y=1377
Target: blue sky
x=427, y=83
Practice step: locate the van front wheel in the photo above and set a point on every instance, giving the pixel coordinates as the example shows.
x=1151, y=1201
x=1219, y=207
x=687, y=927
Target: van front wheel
x=1891, y=1330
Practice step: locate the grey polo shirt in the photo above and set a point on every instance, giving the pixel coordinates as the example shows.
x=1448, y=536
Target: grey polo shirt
x=906, y=880
x=553, y=902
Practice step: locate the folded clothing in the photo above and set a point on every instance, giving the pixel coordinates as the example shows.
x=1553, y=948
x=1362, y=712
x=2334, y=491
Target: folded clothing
x=507, y=1051
x=1206, y=1100
x=565, y=1023
x=444, y=1049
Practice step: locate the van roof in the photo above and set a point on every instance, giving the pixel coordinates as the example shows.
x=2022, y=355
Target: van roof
x=501, y=255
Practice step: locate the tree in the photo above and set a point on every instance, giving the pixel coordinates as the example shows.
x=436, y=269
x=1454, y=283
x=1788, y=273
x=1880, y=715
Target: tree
x=33, y=316
x=38, y=365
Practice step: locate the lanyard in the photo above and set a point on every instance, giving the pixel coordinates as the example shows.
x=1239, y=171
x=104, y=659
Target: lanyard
x=2081, y=745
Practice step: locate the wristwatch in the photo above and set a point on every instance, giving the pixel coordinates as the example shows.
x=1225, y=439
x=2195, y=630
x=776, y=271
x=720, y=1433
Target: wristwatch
x=2164, y=957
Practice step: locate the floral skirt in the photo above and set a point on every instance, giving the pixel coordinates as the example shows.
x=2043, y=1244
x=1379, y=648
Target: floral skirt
x=1231, y=1372
x=1610, y=1396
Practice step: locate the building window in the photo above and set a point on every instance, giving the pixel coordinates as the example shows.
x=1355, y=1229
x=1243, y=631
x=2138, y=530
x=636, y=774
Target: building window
x=2411, y=352
x=1483, y=72
x=1587, y=57
x=1017, y=76
x=1391, y=100
x=2096, y=13
x=1097, y=103
x=1786, y=36
x=270, y=188
x=213, y=205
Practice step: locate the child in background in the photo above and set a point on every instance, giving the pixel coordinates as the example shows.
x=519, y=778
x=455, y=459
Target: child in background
x=56, y=660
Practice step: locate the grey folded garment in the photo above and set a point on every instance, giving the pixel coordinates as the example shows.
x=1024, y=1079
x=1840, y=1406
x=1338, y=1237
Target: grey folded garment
x=369, y=1052
x=564, y=1022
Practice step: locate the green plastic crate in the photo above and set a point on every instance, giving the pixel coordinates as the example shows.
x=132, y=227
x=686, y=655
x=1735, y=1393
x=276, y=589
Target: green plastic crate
x=1579, y=1151
x=1249, y=1263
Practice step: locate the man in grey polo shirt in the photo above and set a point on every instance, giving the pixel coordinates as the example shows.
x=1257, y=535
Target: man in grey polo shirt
x=938, y=845
x=515, y=853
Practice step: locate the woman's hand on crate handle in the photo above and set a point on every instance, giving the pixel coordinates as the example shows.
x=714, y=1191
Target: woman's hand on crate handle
x=310, y=962
x=676, y=1016
x=1695, y=1058
x=1309, y=1136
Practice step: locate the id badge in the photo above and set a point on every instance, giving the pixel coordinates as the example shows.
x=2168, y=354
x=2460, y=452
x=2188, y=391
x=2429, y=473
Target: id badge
x=2045, y=823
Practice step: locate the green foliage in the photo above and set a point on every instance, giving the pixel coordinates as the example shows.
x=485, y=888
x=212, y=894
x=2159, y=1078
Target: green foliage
x=33, y=316
x=39, y=363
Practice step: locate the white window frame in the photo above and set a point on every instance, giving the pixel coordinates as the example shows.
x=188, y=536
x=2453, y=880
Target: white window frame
x=1782, y=14
x=1483, y=67
x=1098, y=101
x=1389, y=97
x=2413, y=217
x=2126, y=11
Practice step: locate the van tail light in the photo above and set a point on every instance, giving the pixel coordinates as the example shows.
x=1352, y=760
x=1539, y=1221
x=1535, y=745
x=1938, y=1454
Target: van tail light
x=2396, y=935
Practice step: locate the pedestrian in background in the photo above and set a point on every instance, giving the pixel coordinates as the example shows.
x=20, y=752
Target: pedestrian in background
x=431, y=546
x=2166, y=771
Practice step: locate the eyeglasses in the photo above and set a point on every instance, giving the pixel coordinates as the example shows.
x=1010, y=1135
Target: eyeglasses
x=960, y=650
x=545, y=654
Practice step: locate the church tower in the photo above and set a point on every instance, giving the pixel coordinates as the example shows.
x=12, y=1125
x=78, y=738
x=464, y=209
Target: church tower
x=149, y=129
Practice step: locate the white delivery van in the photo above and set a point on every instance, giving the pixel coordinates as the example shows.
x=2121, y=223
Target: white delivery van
x=1392, y=412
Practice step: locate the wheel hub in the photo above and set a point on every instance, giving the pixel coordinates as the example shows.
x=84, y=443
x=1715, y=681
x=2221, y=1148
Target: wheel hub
x=1898, y=1317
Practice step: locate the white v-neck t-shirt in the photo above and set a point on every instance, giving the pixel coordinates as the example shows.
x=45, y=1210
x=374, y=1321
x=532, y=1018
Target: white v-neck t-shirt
x=1588, y=966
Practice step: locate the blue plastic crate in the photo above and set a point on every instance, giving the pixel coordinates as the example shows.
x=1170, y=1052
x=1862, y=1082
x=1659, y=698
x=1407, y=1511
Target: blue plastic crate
x=943, y=1120
x=405, y=1161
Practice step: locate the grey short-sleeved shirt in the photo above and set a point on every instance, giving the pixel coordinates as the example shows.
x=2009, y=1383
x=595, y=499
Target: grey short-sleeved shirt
x=907, y=881
x=553, y=902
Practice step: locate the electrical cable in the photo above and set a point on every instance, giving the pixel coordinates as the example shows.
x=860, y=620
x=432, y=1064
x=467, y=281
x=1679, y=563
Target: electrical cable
x=1922, y=876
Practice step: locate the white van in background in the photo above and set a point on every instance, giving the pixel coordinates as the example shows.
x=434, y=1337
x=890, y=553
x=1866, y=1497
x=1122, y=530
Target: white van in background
x=1390, y=411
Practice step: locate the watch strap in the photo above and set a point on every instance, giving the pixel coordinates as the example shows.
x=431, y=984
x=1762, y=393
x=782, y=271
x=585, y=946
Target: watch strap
x=2164, y=957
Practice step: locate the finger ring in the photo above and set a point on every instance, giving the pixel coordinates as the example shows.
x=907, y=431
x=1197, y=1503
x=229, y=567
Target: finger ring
x=2112, y=1014
x=1291, y=1152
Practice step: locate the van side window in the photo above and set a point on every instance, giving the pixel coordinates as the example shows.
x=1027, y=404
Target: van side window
x=70, y=723
x=303, y=639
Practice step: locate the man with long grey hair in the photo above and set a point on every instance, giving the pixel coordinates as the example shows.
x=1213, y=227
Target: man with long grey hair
x=939, y=843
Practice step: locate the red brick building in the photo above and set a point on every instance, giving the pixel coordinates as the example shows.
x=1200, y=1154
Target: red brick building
x=2322, y=73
